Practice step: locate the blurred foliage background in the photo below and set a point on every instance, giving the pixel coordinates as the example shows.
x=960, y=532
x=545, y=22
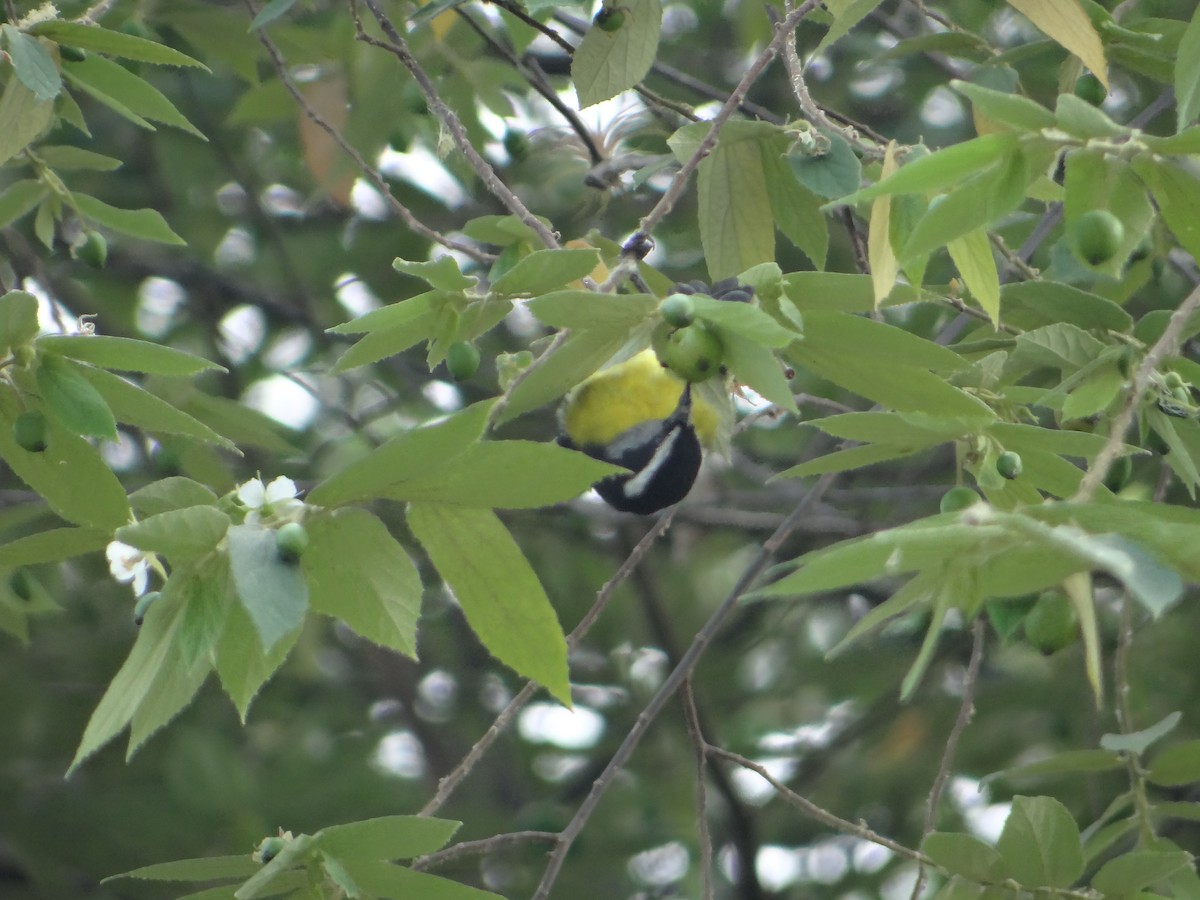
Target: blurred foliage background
x=285, y=239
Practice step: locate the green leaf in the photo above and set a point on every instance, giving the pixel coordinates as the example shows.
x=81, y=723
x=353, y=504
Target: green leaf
x=358, y=573
x=848, y=460
x=1138, y=869
x=441, y=273
x=1066, y=23
x=1177, y=193
x=386, y=838
x=972, y=255
x=840, y=292
x=72, y=400
x=69, y=474
x=856, y=336
x=22, y=118
x=608, y=62
x=1083, y=120
x=112, y=43
x=1139, y=741
x=1061, y=346
x=18, y=319
x=271, y=591
x=964, y=854
x=209, y=598
x=744, y=320
x=1069, y=762
x=127, y=354
x=1176, y=765
x=50, y=546
x=543, y=271
x=269, y=880
x=409, y=456
x=1187, y=74
x=138, y=407
x=499, y=593
x=797, y=210
x=33, y=65
x=1040, y=843
x=146, y=224
x=1006, y=108
x=588, y=309
x=270, y=12
x=578, y=357
x=208, y=868
x=941, y=170
x=180, y=535
x=150, y=657
x=390, y=330
x=385, y=880
x=65, y=156
x=20, y=197
x=175, y=492
x=127, y=94
x=758, y=368
x=1034, y=304
x=242, y=665
x=846, y=14
x=504, y=475
x=833, y=174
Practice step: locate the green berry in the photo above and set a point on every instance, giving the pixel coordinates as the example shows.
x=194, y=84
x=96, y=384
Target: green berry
x=93, y=250
x=291, y=540
x=1089, y=88
x=1052, y=624
x=1119, y=474
x=678, y=310
x=1173, y=380
x=609, y=19
x=516, y=145
x=693, y=353
x=958, y=498
x=143, y=604
x=1009, y=464
x=1096, y=236
x=29, y=431
x=269, y=849
x=462, y=360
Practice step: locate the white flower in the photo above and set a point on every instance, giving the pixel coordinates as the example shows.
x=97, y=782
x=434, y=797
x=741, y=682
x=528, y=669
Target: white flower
x=129, y=564
x=277, y=499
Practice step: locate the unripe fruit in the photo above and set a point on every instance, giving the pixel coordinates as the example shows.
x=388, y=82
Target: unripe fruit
x=693, y=353
x=93, y=250
x=291, y=540
x=1009, y=464
x=143, y=604
x=958, y=498
x=609, y=19
x=516, y=145
x=269, y=849
x=1052, y=624
x=462, y=360
x=29, y=431
x=1096, y=236
x=678, y=310
x=1173, y=380
x=1089, y=88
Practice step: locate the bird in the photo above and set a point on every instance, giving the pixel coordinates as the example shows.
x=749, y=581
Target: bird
x=639, y=415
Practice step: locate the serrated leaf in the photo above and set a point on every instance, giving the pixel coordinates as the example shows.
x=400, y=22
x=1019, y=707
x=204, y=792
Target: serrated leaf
x=385, y=880
x=744, y=320
x=208, y=868
x=242, y=665
x=271, y=590
x=755, y=366
x=1187, y=74
x=50, y=546
x=1033, y=304
x=1177, y=193
x=502, y=598
x=1138, y=869
x=1139, y=741
x=407, y=456
x=18, y=319
x=1066, y=23
x=126, y=93
x=358, y=573
x=1040, y=843
x=112, y=43
x=270, y=12
x=883, y=343
x=578, y=357
x=1007, y=108
x=441, y=273
x=736, y=224
x=387, y=838
x=180, y=534
x=146, y=224
x=166, y=494
x=797, y=210
x=22, y=118
x=847, y=14
x=833, y=174
x=136, y=406
x=65, y=156
x=608, y=62
x=543, y=271
x=1176, y=765
x=127, y=354
x=20, y=197
x=964, y=854
x=33, y=65
x=588, y=309
x=848, y=460
x=1069, y=762
x=72, y=400
x=972, y=255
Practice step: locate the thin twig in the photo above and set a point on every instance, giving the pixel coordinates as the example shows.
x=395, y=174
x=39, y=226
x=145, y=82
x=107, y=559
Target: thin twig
x=372, y=174
x=696, y=733
x=966, y=710
x=398, y=47
x=480, y=848
x=672, y=683
x=1124, y=711
x=1167, y=345
x=450, y=783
